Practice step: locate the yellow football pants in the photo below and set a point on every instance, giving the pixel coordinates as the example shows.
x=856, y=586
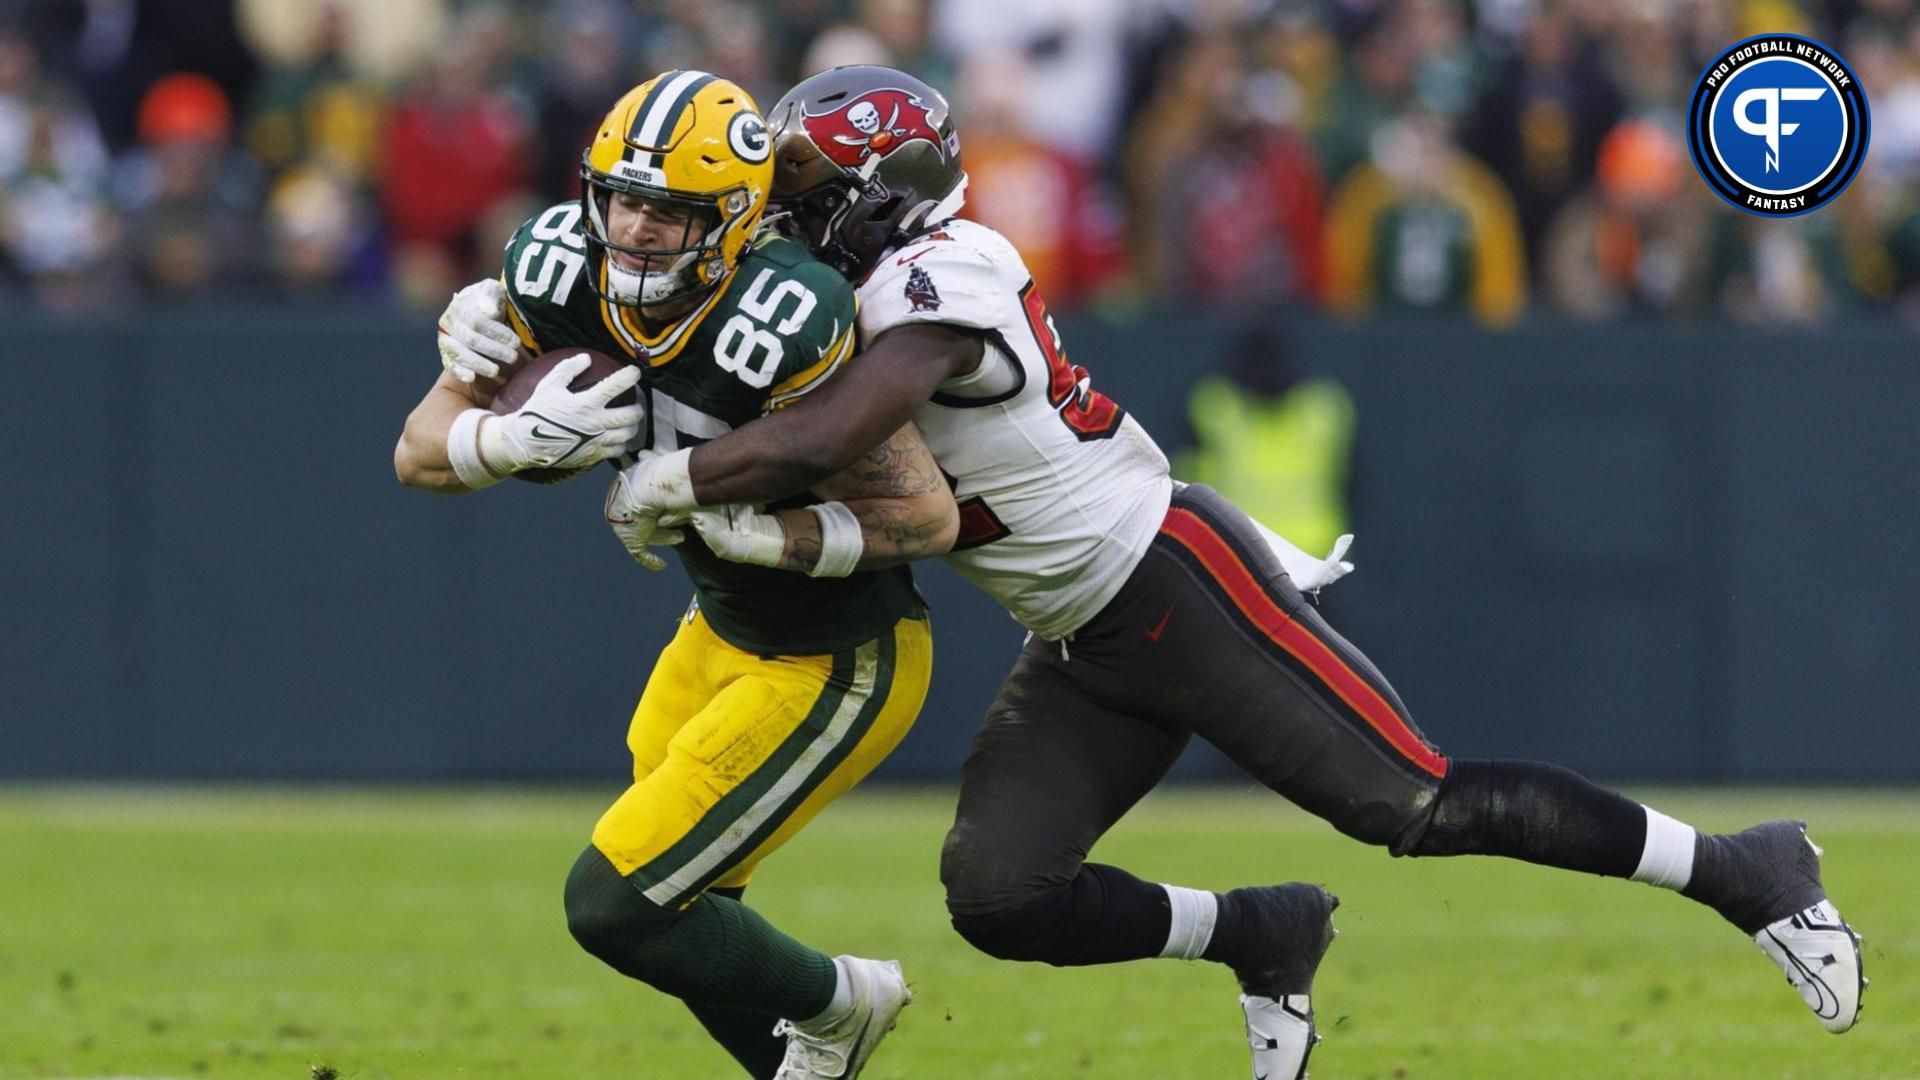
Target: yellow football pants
x=734, y=752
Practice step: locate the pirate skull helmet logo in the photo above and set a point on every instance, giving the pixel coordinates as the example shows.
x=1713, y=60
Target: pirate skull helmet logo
x=871, y=127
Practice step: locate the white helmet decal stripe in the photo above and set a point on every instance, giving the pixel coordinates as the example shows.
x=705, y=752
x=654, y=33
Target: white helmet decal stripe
x=664, y=108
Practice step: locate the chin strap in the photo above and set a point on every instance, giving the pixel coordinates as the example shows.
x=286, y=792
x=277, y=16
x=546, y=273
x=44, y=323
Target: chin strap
x=627, y=284
x=768, y=225
x=950, y=205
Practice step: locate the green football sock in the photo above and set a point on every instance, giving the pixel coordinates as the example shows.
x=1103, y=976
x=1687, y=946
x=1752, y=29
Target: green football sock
x=748, y=1036
x=715, y=951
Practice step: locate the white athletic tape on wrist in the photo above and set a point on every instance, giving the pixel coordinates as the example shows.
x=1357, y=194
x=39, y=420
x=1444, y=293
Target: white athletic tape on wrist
x=672, y=483
x=463, y=450
x=1667, y=859
x=840, y=542
x=766, y=540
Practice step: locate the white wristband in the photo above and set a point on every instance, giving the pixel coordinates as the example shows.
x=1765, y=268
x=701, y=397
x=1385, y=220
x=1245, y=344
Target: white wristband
x=463, y=450
x=841, y=544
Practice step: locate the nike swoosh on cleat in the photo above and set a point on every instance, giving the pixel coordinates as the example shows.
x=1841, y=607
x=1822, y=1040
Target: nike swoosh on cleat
x=857, y=1040
x=1829, y=1006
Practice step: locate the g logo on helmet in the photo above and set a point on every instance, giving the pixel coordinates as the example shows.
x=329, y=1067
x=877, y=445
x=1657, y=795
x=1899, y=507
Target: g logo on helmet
x=747, y=135
x=1778, y=125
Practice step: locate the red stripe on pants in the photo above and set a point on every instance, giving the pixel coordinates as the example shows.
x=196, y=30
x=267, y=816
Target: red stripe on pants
x=1233, y=575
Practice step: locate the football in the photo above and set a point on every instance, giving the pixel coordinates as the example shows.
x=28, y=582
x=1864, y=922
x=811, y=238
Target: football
x=521, y=382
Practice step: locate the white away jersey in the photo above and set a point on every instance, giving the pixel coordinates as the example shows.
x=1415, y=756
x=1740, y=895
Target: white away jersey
x=1060, y=491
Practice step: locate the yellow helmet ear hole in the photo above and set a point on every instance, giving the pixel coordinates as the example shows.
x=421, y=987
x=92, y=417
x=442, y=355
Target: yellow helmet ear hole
x=736, y=202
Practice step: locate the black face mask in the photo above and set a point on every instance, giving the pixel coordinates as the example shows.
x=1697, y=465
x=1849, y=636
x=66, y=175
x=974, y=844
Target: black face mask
x=602, y=247
x=811, y=215
x=839, y=225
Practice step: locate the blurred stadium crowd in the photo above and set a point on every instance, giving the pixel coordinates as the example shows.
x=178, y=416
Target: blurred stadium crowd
x=1491, y=158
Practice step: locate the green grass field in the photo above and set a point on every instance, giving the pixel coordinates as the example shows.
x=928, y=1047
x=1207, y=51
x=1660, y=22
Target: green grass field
x=260, y=932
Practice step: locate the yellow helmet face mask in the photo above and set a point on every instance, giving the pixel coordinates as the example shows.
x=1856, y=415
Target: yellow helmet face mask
x=691, y=151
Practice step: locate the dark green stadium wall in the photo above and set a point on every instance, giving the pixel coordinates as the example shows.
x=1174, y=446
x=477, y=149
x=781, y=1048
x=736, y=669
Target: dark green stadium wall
x=1645, y=553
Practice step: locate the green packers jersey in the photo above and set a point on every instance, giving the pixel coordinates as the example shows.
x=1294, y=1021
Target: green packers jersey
x=776, y=328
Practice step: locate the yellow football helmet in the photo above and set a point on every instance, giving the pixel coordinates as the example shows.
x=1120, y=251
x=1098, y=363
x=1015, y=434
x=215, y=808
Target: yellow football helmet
x=689, y=144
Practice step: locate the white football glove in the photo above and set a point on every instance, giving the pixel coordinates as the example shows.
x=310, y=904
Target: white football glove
x=558, y=428
x=655, y=485
x=475, y=338
x=658, y=484
x=1308, y=573
x=742, y=534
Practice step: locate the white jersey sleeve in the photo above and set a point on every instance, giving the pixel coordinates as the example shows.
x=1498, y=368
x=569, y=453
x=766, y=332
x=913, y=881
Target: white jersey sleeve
x=1060, y=491
x=936, y=279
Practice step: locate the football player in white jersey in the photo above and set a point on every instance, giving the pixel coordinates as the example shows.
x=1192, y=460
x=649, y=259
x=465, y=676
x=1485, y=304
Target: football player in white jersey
x=1157, y=610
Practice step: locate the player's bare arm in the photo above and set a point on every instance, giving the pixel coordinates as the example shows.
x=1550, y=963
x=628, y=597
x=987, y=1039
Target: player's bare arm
x=892, y=505
x=420, y=457
x=798, y=448
x=476, y=342
x=896, y=493
x=804, y=445
x=452, y=443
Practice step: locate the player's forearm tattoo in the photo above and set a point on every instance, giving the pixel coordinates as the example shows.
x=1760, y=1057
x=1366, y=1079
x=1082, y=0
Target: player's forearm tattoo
x=897, y=467
x=894, y=531
x=802, y=552
x=887, y=489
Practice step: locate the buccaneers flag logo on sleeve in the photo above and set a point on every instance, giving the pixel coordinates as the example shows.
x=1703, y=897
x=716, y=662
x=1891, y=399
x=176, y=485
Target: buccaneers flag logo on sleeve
x=920, y=292
x=871, y=126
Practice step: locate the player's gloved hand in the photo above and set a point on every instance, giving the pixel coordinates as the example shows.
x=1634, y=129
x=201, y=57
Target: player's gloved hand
x=560, y=428
x=655, y=485
x=642, y=551
x=742, y=534
x=658, y=484
x=1309, y=574
x=475, y=339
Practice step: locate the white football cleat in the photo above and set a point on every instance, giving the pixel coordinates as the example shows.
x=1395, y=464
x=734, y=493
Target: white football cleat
x=839, y=1050
x=1820, y=954
x=1280, y=1031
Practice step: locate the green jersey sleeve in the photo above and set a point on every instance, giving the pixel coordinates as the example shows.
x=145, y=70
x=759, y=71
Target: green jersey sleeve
x=805, y=309
x=550, y=301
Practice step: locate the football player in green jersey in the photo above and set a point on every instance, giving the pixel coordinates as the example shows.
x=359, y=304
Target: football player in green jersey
x=780, y=691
